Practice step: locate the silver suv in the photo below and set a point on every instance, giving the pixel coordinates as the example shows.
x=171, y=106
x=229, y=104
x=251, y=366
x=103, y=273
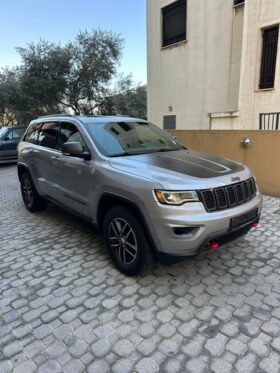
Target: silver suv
x=152, y=197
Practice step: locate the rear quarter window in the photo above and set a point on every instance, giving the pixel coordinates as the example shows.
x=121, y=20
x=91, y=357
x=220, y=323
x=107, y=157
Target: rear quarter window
x=32, y=133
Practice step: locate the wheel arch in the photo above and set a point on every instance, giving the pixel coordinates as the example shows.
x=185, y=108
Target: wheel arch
x=108, y=200
x=21, y=169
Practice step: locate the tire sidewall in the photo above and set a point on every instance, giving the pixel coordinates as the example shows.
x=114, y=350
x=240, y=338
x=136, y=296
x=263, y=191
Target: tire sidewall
x=138, y=265
x=38, y=203
x=23, y=178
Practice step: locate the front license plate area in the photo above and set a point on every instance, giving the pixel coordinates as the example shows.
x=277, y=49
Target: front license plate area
x=243, y=219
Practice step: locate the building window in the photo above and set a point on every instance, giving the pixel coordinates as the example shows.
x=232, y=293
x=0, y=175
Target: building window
x=269, y=57
x=174, y=23
x=169, y=122
x=238, y=2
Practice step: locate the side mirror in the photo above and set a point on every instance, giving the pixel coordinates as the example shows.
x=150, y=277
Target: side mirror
x=74, y=149
x=6, y=138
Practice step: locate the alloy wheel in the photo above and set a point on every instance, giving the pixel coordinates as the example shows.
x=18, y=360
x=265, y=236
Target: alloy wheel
x=122, y=241
x=27, y=192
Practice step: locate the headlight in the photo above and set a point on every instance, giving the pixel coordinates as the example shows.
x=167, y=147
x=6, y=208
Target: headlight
x=176, y=197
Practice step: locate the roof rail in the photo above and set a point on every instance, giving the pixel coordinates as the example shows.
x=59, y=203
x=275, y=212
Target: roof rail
x=56, y=115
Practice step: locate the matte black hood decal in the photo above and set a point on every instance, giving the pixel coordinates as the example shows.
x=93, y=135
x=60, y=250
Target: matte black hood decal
x=191, y=163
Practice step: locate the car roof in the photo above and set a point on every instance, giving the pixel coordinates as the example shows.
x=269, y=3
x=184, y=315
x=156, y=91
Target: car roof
x=90, y=118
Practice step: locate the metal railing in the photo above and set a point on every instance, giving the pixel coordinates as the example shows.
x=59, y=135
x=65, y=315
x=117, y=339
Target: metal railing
x=270, y=121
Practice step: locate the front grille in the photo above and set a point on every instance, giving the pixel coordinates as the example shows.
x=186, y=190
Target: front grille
x=228, y=196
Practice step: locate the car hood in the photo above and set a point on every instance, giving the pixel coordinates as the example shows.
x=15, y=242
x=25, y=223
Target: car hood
x=179, y=166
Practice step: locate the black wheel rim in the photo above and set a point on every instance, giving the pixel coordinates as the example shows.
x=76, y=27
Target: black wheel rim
x=27, y=192
x=123, y=241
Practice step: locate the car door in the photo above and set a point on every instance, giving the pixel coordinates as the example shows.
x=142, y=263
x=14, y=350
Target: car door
x=72, y=175
x=9, y=144
x=43, y=157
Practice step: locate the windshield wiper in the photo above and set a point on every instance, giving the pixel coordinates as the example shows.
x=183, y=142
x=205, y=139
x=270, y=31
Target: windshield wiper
x=147, y=151
x=123, y=154
x=170, y=149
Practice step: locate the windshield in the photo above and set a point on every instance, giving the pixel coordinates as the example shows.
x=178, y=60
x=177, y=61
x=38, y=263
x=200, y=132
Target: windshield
x=3, y=132
x=130, y=138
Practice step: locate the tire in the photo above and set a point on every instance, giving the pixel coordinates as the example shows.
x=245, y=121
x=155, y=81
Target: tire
x=33, y=202
x=126, y=242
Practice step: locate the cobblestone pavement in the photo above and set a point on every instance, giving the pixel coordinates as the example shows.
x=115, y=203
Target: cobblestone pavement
x=64, y=308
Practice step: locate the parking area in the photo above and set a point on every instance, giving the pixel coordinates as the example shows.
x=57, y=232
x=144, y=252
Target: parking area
x=64, y=308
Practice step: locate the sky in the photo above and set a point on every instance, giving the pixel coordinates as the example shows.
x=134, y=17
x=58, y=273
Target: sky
x=26, y=21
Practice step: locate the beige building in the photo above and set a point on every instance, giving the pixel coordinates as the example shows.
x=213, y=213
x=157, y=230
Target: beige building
x=213, y=63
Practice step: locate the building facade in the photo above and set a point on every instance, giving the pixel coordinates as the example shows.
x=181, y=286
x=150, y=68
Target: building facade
x=213, y=64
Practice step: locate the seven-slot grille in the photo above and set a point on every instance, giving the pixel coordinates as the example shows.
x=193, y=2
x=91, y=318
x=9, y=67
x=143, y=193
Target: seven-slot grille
x=228, y=196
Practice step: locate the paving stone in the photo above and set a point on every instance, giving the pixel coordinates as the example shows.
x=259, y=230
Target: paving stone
x=251, y=328
x=166, y=330
x=188, y=329
x=247, y=364
x=147, y=330
x=85, y=333
x=216, y=346
x=271, y=364
x=6, y=366
x=230, y=329
x=192, y=348
x=236, y=347
x=169, y=346
x=12, y=349
x=197, y=365
x=101, y=347
x=164, y=316
x=62, y=331
x=33, y=349
x=172, y=366
x=123, y=347
x=148, y=346
x=99, y=366
x=78, y=348
x=272, y=327
x=51, y=366
x=221, y=366
x=26, y=366
x=74, y=366
x=42, y=331
x=146, y=365
x=276, y=344
x=56, y=349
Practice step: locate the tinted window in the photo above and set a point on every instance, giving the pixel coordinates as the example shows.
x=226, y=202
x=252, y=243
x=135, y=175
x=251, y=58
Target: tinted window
x=48, y=135
x=33, y=133
x=3, y=132
x=9, y=135
x=70, y=133
x=17, y=133
x=130, y=137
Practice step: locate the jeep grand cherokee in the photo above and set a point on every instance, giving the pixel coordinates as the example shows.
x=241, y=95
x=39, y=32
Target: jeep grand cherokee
x=150, y=196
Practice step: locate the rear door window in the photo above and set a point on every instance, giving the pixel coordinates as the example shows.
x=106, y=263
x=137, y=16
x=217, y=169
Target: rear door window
x=17, y=133
x=48, y=135
x=33, y=133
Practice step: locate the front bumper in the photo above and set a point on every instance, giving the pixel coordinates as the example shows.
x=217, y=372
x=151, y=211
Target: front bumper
x=185, y=230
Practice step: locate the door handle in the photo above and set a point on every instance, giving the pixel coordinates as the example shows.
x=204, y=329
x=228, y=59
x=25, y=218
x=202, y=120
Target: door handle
x=55, y=157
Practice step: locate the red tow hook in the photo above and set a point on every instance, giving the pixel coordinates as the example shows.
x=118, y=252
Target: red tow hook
x=254, y=224
x=213, y=245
